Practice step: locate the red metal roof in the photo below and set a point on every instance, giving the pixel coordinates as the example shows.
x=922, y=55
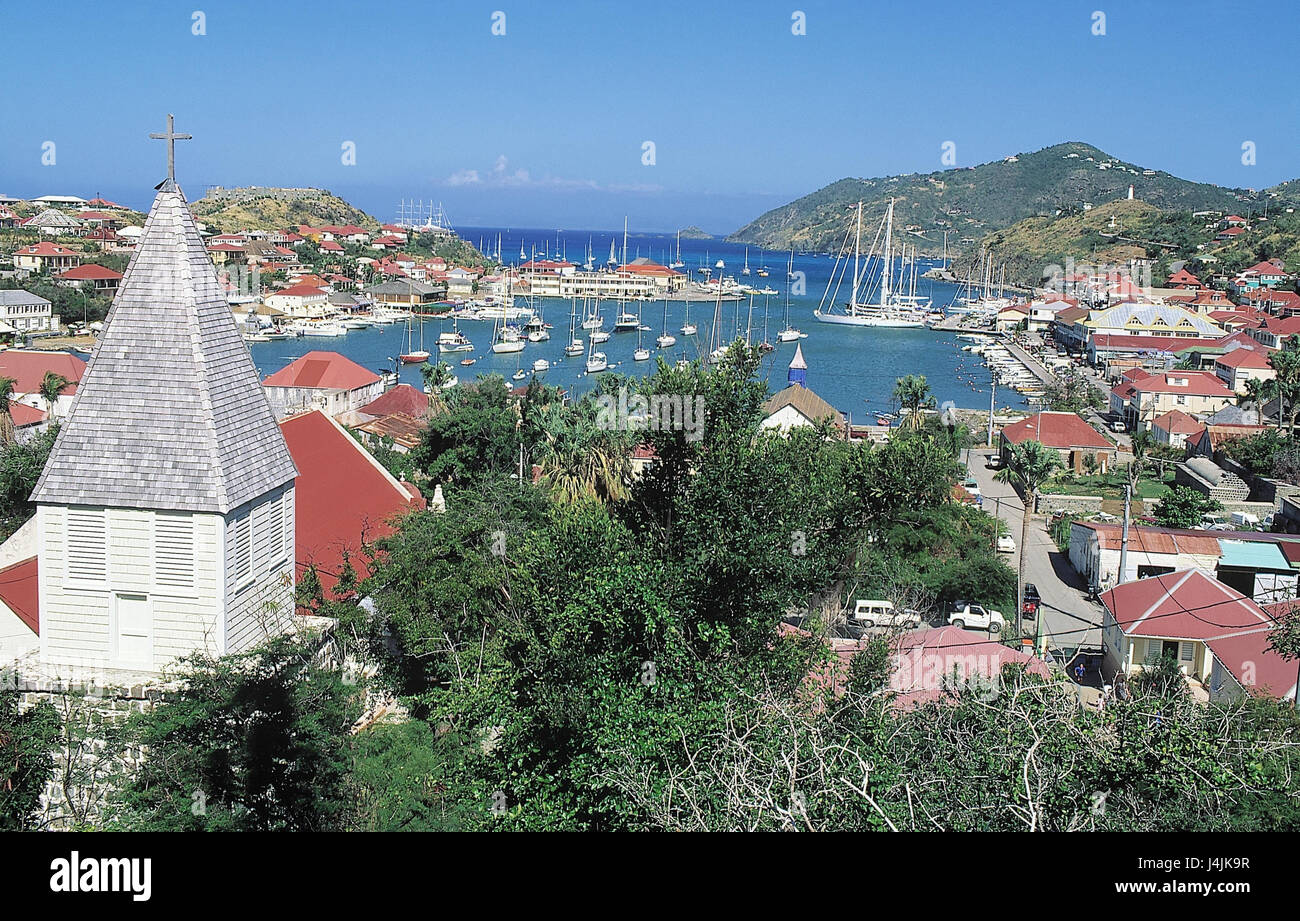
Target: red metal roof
x=1153, y=343
x=27, y=368
x=19, y=590
x=1256, y=667
x=343, y=495
x=1198, y=383
x=91, y=272
x=322, y=370
x=1177, y=422
x=1243, y=358
x=400, y=399
x=1056, y=430
x=1184, y=605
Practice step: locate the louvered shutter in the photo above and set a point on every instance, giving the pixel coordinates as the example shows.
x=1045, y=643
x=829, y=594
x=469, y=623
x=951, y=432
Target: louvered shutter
x=87, y=545
x=174, y=550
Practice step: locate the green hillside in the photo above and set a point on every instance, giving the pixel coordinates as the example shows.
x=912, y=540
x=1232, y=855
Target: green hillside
x=229, y=210
x=970, y=203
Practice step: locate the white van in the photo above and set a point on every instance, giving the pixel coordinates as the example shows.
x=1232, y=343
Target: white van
x=882, y=614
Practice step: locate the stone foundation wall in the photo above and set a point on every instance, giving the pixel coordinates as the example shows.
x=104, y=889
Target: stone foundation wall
x=94, y=758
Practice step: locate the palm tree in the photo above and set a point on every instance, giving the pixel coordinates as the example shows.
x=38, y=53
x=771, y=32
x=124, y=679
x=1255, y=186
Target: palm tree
x=579, y=460
x=1286, y=362
x=52, y=385
x=436, y=376
x=6, y=420
x=913, y=392
x=1031, y=465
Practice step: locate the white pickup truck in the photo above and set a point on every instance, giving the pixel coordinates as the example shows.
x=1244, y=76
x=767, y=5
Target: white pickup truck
x=883, y=614
x=965, y=614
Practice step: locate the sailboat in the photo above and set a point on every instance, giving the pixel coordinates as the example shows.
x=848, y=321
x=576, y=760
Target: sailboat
x=762, y=269
x=788, y=333
x=765, y=346
x=892, y=309
x=745, y=270
x=596, y=361
x=666, y=341
x=641, y=353
x=414, y=356
x=507, y=338
x=688, y=328
x=677, y=263
x=575, y=344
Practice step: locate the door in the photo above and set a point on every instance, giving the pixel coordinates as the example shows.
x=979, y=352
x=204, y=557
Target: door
x=134, y=630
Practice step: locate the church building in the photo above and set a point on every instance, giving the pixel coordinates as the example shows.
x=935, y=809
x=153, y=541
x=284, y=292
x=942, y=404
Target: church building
x=165, y=514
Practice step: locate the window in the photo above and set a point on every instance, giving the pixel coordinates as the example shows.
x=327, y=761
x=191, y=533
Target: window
x=87, y=535
x=174, y=550
x=242, y=544
x=1185, y=652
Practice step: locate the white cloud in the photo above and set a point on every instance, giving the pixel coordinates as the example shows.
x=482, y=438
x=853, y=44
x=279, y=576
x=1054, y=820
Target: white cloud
x=502, y=176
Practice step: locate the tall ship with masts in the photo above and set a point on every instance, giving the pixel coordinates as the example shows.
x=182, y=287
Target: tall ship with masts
x=879, y=292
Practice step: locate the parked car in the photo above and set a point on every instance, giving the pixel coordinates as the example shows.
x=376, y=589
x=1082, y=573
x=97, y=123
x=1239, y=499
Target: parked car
x=1245, y=521
x=965, y=614
x=1117, y=426
x=869, y=613
x=1006, y=544
x=995, y=462
x=1031, y=602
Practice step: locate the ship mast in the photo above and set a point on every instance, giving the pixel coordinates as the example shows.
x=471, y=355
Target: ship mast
x=857, y=246
x=889, y=255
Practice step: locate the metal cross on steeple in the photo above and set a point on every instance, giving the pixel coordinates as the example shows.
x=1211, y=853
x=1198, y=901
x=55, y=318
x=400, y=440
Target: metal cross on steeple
x=171, y=137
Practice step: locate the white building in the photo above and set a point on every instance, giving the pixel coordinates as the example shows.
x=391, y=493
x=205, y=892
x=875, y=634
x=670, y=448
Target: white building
x=165, y=515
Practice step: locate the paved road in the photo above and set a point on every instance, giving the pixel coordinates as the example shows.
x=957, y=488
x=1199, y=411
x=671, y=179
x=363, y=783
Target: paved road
x=1069, y=618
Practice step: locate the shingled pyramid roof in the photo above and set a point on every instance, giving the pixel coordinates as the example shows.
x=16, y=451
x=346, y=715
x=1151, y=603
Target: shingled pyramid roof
x=170, y=413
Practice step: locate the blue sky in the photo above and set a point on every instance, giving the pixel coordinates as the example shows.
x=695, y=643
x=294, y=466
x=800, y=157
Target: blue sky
x=544, y=126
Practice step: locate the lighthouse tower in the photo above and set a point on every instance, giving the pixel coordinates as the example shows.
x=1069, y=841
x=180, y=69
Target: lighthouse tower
x=798, y=373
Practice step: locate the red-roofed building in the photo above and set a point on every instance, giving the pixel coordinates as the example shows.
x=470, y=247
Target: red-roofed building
x=1207, y=300
x=1246, y=665
x=1144, y=396
x=344, y=497
x=400, y=399
x=1229, y=233
x=1184, y=279
x=28, y=368
x=19, y=610
x=1175, y=427
x=299, y=300
x=1274, y=331
x=322, y=380
x=931, y=661
x=1073, y=438
x=1259, y=275
x=1176, y=615
x=1280, y=303
x=101, y=277
x=1242, y=318
x=1238, y=366
x=47, y=257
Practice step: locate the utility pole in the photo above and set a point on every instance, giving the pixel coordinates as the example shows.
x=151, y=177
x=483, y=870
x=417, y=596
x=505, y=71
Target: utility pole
x=1123, y=546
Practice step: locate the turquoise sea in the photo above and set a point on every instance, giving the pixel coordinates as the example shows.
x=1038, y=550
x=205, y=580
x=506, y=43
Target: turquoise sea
x=854, y=369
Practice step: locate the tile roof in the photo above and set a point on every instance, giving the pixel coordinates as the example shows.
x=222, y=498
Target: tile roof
x=170, y=413
x=1056, y=430
x=322, y=371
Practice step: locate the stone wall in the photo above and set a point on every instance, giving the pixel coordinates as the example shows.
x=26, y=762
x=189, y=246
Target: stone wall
x=94, y=758
x=1073, y=505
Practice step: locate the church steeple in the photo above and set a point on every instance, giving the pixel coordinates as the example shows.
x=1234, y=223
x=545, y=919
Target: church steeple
x=170, y=413
x=798, y=373
x=166, y=510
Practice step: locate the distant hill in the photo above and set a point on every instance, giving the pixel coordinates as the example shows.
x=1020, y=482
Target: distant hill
x=266, y=208
x=972, y=202
x=1120, y=231
x=695, y=233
